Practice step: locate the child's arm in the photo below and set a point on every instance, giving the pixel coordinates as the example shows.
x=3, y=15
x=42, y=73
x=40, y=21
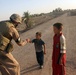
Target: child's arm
x=44, y=48
x=28, y=40
x=60, y=58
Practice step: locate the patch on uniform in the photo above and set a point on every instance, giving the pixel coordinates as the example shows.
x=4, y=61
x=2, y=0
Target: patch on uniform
x=18, y=40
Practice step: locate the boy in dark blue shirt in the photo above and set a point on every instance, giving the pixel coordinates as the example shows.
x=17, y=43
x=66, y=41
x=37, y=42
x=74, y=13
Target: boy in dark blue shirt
x=39, y=44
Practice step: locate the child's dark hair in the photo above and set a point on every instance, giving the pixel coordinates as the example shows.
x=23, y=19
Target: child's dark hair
x=58, y=25
x=38, y=33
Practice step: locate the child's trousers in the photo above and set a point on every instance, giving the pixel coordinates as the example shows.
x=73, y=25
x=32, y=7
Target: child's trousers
x=40, y=57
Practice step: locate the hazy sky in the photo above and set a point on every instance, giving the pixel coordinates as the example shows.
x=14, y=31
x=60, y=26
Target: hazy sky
x=8, y=7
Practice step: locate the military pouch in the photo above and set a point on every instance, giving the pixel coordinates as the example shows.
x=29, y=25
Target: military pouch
x=9, y=47
x=3, y=42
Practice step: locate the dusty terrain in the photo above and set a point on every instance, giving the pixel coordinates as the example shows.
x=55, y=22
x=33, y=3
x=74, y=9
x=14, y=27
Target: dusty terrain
x=35, y=21
x=26, y=55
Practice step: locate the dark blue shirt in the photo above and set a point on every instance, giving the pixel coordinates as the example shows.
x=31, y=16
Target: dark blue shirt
x=38, y=44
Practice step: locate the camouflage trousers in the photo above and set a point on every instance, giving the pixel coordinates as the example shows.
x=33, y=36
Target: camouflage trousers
x=8, y=64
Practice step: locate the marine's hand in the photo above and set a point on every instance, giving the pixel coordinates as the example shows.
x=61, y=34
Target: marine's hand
x=24, y=42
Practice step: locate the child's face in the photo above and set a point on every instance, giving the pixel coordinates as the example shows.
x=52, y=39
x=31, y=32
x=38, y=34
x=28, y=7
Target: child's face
x=56, y=30
x=38, y=36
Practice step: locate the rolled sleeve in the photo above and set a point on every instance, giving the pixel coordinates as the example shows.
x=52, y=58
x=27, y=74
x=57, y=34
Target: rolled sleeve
x=62, y=44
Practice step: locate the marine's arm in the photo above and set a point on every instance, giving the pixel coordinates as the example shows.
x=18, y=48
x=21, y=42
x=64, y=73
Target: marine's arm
x=15, y=35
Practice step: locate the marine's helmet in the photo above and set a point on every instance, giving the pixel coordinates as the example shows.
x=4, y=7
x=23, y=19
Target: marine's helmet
x=16, y=18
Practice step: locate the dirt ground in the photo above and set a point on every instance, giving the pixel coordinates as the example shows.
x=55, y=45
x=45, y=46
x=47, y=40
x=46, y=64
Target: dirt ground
x=26, y=55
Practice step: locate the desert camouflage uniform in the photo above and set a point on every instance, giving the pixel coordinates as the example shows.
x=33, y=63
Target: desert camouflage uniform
x=8, y=64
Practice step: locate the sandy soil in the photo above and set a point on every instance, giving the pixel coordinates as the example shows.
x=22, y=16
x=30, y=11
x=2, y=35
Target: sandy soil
x=26, y=55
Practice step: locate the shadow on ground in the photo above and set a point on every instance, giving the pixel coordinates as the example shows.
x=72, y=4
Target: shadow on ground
x=30, y=69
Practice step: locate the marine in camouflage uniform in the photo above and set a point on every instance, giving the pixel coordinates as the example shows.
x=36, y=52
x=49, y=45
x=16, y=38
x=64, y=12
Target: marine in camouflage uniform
x=8, y=64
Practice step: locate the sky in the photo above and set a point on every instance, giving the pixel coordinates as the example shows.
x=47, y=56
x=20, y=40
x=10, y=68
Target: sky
x=8, y=7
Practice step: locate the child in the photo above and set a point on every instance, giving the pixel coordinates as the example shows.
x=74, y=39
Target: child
x=59, y=50
x=39, y=44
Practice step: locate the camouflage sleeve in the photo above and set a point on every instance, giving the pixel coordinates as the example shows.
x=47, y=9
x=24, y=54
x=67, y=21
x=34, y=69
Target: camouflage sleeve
x=15, y=35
